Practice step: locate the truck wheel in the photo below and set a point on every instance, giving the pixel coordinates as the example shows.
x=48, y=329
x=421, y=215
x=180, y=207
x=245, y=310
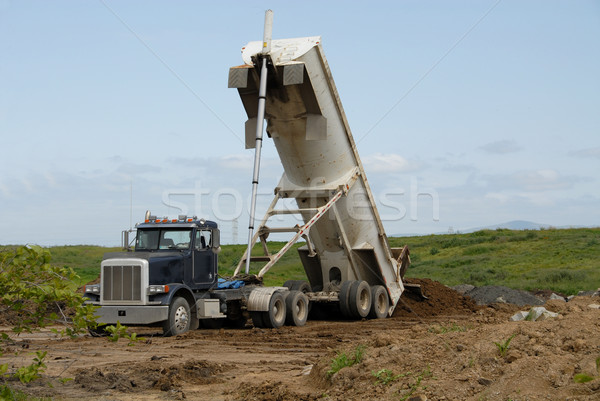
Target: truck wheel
x=344, y=296
x=275, y=316
x=360, y=299
x=296, y=304
x=179, y=318
x=380, y=303
x=298, y=285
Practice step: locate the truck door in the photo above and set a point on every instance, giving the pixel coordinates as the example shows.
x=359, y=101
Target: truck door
x=204, y=259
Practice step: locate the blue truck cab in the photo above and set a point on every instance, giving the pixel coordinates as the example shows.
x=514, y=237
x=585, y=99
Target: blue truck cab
x=166, y=279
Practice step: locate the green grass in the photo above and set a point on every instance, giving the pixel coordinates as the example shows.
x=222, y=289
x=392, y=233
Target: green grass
x=287, y=268
x=565, y=260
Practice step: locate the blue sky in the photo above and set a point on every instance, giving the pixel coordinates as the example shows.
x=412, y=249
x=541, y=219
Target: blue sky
x=481, y=111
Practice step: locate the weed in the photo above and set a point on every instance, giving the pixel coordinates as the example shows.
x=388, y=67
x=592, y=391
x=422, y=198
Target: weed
x=386, y=376
x=31, y=372
x=8, y=394
x=503, y=347
x=116, y=332
x=416, y=385
x=584, y=377
x=120, y=331
x=343, y=360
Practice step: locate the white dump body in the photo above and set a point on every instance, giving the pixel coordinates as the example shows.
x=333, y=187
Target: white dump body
x=307, y=123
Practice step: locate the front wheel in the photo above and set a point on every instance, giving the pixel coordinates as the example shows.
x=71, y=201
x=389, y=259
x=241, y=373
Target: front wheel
x=179, y=318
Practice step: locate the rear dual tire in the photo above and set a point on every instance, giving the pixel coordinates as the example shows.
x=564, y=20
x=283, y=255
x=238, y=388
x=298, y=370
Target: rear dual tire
x=275, y=316
x=297, y=308
x=358, y=300
x=380, y=302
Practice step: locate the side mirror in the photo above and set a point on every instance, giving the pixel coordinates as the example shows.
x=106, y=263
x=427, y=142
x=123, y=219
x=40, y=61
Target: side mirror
x=216, y=239
x=125, y=243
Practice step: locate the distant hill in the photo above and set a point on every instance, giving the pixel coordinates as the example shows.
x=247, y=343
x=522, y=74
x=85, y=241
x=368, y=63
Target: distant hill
x=511, y=225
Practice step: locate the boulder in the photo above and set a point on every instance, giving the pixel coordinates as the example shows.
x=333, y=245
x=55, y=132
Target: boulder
x=537, y=313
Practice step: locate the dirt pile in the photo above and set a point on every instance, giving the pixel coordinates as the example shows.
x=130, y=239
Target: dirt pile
x=441, y=301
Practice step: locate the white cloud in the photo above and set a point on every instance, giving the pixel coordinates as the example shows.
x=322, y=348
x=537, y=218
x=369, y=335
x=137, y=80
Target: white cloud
x=501, y=147
x=389, y=163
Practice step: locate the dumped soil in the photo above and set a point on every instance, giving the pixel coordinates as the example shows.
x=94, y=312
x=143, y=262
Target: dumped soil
x=443, y=348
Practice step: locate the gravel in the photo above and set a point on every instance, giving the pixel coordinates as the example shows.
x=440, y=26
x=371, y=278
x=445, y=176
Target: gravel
x=494, y=293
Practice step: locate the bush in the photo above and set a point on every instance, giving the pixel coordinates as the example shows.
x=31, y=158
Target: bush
x=38, y=294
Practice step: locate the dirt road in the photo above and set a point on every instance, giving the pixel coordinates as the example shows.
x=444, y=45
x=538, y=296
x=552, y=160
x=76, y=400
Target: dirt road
x=440, y=349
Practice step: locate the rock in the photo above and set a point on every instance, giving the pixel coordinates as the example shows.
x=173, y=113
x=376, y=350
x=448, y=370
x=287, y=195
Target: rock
x=460, y=347
x=537, y=313
x=570, y=298
x=418, y=397
x=517, y=317
x=483, y=381
x=513, y=356
x=489, y=294
x=500, y=300
x=555, y=296
x=594, y=306
x=463, y=288
x=540, y=313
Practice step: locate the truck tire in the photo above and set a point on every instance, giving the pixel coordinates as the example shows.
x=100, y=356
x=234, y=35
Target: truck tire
x=380, y=302
x=179, y=318
x=344, y=296
x=298, y=285
x=359, y=299
x=275, y=316
x=296, y=305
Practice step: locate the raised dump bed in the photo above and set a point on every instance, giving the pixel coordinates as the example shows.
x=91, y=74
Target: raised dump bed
x=345, y=240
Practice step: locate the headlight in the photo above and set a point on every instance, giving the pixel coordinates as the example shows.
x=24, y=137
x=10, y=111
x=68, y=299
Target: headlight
x=158, y=289
x=94, y=288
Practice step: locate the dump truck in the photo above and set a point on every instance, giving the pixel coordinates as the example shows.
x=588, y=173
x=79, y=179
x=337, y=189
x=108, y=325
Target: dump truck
x=171, y=276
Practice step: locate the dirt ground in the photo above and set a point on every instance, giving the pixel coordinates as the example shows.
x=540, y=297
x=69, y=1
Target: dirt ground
x=443, y=348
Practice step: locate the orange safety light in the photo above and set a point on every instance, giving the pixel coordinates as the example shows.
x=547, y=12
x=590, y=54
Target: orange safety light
x=166, y=288
x=174, y=221
x=157, y=221
x=165, y=220
x=190, y=220
x=146, y=221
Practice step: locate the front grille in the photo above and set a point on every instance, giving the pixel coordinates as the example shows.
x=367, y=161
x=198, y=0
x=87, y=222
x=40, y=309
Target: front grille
x=122, y=283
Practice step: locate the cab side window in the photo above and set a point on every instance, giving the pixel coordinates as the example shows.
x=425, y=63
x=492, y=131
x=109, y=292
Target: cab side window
x=203, y=239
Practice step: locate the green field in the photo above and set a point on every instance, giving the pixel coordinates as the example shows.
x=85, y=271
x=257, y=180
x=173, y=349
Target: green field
x=562, y=260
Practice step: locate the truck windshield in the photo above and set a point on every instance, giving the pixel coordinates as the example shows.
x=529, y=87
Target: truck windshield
x=156, y=239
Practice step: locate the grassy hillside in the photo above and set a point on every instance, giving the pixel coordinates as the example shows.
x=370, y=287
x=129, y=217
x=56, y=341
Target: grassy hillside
x=566, y=260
